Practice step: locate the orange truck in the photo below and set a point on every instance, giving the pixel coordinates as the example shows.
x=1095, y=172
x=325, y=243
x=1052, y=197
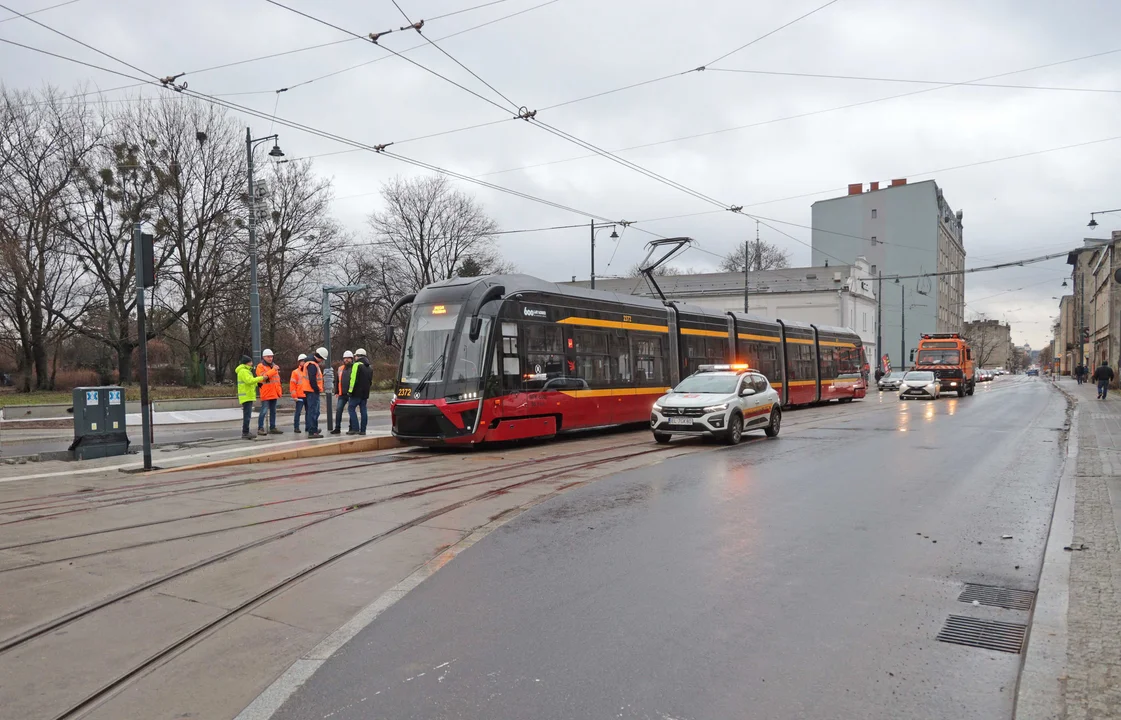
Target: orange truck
x=948, y=356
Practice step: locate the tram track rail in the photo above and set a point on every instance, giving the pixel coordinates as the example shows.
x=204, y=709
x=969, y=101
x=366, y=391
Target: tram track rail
x=20, y=639
x=187, y=640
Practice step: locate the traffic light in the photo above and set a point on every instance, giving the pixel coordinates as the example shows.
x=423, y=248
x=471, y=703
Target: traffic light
x=147, y=268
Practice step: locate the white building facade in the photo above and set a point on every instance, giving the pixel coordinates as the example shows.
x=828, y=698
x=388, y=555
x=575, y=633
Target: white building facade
x=838, y=295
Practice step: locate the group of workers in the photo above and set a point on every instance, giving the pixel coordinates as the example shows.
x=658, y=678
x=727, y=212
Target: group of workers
x=305, y=385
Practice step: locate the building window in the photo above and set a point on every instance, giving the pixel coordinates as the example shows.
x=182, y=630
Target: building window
x=873, y=213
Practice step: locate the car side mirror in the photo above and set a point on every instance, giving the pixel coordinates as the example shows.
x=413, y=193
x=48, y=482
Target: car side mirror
x=746, y=392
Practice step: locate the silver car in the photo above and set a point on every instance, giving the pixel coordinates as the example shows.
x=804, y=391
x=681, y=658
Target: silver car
x=891, y=381
x=919, y=384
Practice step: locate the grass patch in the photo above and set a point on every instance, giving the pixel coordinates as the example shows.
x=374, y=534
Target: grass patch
x=132, y=394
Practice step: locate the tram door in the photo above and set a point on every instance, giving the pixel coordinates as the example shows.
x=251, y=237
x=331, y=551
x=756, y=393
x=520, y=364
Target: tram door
x=509, y=354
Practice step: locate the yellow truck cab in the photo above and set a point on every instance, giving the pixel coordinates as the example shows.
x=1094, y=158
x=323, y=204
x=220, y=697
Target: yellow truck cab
x=949, y=357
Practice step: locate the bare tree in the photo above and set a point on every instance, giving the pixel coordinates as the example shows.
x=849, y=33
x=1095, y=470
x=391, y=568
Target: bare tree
x=662, y=271
x=484, y=262
x=118, y=186
x=295, y=239
x=429, y=227
x=764, y=256
x=43, y=142
x=203, y=172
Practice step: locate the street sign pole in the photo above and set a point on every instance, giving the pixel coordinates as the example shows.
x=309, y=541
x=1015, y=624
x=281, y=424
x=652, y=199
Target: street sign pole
x=143, y=263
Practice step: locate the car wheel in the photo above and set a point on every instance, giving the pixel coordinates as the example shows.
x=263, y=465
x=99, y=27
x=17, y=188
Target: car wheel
x=775, y=425
x=961, y=392
x=969, y=390
x=735, y=430
x=661, y=438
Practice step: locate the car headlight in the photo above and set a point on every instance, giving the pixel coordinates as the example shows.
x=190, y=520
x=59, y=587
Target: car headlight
x=716, y=408
x=657, y=407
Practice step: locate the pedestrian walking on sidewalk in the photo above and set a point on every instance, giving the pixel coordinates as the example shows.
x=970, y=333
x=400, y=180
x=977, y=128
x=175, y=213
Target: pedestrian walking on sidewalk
x=344, y=391
x=271, y=390
x=361, y=377
x=247, y=384
x=314, y=371
x=1103, y=376
x=1080, y=373
x=297, y=388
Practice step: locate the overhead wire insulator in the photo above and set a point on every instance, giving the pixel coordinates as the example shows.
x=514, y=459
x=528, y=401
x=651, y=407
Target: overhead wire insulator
x=736, y=208
x=382, y=147
x=415, y=26
x=525, y=113
x=374, y=36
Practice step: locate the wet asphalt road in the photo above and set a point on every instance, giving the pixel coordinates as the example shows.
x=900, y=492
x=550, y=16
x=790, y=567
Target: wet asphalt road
x=803, y=577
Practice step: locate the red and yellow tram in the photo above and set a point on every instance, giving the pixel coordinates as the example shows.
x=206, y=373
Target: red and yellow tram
x=510, y=357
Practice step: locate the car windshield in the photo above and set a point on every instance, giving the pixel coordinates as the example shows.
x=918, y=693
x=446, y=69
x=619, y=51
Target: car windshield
x=708, y=383
x=894, y=376
x=429, y=335
x=939, y=357
x=915, y=377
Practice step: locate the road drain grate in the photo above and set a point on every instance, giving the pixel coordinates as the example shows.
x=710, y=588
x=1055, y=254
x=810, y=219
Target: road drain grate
x=987, y=634
x=1000, y=597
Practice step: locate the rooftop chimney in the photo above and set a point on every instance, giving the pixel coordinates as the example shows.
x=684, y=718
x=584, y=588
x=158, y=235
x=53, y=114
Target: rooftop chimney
x=875, y=185
x=899, y=181
x=856, y=188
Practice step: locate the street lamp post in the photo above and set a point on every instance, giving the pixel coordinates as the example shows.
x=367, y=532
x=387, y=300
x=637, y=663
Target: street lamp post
x=254, y=293
x=1094, y=223
x=328, y=291
x=594, y=227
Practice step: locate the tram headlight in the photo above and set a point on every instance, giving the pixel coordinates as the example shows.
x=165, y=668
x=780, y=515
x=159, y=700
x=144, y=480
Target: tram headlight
x=716, y=408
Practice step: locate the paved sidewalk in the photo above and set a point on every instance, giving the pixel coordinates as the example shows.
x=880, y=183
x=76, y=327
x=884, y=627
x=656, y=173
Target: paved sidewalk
x=1093, y=677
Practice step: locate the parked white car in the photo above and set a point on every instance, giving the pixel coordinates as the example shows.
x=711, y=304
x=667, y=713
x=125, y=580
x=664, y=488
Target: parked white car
x=718, y=400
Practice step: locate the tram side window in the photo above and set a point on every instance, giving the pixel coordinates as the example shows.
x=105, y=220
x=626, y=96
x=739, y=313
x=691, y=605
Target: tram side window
x=544, y=354
x=828, y=362
x=701, y=350
x=848, y=361
x=511, y=363
x=763, y=356
x=621, y=358
x=649, y=362
x=593, y=361
x=801, y=361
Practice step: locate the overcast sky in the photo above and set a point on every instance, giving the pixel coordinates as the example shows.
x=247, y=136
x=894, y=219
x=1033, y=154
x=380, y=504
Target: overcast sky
x=567, y=49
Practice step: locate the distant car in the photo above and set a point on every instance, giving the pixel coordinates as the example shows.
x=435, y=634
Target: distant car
x=891, y=380
x=718, y=400
x=919, y=384
x=984, y=376
x=1034, y=372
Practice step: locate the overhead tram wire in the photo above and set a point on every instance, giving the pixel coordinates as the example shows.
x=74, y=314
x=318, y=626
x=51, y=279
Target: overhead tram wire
x=912, y=81
x=355, y=36
x=327, y=135
x=772, y=32
x=83, y=44
x=40, y=10
x=809, y=113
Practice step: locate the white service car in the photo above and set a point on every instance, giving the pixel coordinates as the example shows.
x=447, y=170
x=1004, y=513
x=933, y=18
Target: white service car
x=718, y=400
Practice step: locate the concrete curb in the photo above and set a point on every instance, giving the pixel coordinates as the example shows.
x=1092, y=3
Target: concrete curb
x=1039, y=692
x=345, y=447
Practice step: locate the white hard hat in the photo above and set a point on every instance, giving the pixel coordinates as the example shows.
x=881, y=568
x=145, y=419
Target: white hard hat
x=266, y=353
x=360, y=352
x=301, y=358
x=321, y=352
x=347, y=354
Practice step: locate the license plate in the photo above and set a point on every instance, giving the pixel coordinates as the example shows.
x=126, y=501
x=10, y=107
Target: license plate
x=680, y=421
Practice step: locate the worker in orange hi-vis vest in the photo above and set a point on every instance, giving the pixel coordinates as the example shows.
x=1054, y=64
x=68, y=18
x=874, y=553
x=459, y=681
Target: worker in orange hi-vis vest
x=271, y=390
x=298, y=385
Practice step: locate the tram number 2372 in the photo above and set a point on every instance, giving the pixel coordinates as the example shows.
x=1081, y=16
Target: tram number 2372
x=404, y=392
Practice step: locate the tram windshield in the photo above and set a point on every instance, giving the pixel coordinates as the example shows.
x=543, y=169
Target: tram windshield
x=430, y=333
